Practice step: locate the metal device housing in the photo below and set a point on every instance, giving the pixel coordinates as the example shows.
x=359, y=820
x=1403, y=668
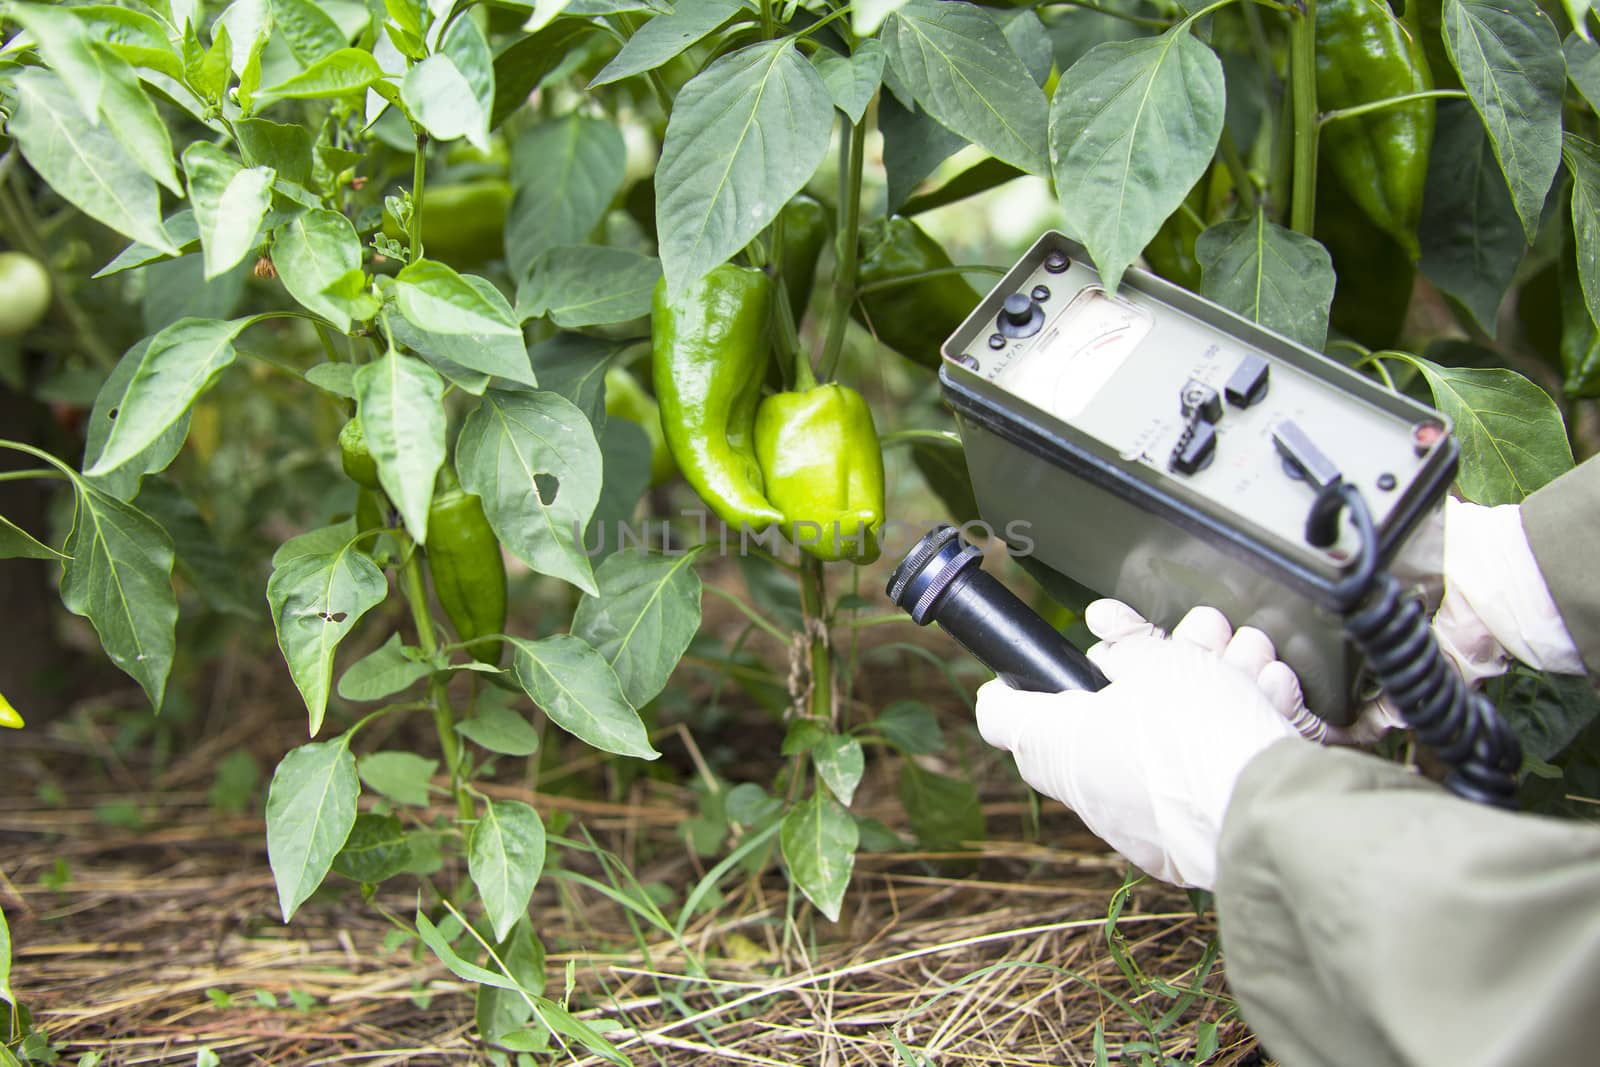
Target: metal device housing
x=1070, y=431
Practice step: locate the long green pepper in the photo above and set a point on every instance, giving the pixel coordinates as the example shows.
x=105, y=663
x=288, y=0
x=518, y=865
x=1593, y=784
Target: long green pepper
x=709, y=357
x=469, y=573
x=1364, y=54
x=913, y=318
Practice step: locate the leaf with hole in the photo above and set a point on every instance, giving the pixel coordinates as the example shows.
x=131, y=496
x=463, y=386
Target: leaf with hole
x=311, y=808
x=578, y=690
x=533, y=459
x=505, y=855
x=642, y=618
x=181, y=362
x=318, y=592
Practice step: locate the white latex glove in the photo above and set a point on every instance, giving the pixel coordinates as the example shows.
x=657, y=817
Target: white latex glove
x=1251, y=651
x=1496, y=604
x=1149, y=762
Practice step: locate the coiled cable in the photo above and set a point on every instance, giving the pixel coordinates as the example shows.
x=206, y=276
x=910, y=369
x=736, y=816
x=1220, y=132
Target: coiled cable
x=1463, y=728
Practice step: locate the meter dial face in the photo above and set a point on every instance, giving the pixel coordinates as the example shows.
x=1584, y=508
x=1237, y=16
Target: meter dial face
x=1077, y=352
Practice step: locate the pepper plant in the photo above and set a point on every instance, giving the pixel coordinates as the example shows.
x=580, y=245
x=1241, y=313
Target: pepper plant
x=440, y=233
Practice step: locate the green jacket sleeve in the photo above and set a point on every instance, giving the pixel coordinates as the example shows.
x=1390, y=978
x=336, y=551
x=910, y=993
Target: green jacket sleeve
x=1561, y=521
x=1371, y=918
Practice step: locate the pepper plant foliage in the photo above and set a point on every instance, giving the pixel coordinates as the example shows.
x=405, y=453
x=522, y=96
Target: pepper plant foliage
x=427, y=216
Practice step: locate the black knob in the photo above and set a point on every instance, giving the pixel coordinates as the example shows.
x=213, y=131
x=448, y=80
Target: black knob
x=1018, y=309
x=1019, y=316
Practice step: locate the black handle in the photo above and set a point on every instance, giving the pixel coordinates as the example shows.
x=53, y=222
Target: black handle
x=941, y=580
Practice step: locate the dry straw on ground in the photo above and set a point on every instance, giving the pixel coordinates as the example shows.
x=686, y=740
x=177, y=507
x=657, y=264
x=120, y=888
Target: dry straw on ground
x=120, y=934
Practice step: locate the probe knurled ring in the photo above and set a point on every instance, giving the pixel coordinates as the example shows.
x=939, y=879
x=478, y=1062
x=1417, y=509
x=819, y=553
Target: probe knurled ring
x=943, y=580
x=912, y=565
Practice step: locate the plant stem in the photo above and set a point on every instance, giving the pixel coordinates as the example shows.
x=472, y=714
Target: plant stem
x=35, y=472
x=1389, y=101
x=419, y=169
x=933, y=272
x=943, y=438
x=814, y=602
x=844, y=276
x=1303, y=98
x=443, y=718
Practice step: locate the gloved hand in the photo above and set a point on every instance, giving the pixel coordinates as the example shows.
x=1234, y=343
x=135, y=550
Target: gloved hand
x=1150, y=761
x=1496, y=603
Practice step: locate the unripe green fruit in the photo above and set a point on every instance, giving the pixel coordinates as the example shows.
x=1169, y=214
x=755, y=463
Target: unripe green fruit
x=24, y=293
x=354, y=457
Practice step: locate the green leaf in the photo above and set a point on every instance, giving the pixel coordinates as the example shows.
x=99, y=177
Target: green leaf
x=318, y=592
x=499, y=1011
x=401, y=404
x=852, y=81
x=385, y=671
x=1471, y=237
x=1271, y=275
x=1509, y=57
x=643, y=617
x=1583, y=160
x=1133, y=127
x=745, y=135
x=574, y=365
x=403, y=777
x=123, y=483
x=1511, y=435
x=120, y=578
x=1030, y=39
x=207, y=71
x=311, y=807
x=959, y=66
x=133, y=35
x=911, y=727
x=625, y=454
x=229, y=204
x=284, y=148
x=312, y=251
x=522, y=66
x=1580, y=339
x=819, y=841
x=664, y=37
x=588, y=285
x=375, y=850
x=505, y=855
x=500, y=730
x=840, y=763
x=179, y=226
x=1583, y=67
x=181, y=362
x=344, y=73
x=310, y=32
x=480, y=329
x=533, y=459
x=565, y=172
x=574, y=685
x=1548, y=711
x=943, y=810
x=470, y=972
x=17, y=543
x=441, y=98
x=84, y=162
x=469, y=52
x=337, y=379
